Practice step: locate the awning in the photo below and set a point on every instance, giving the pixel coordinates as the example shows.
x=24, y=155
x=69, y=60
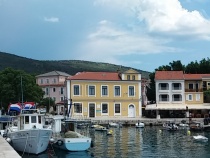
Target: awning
x=178, y=106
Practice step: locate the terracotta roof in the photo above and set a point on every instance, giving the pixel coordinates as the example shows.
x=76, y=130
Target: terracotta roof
x=196, y=76
x=178, y=75
x=104, y=76
x=169, y=75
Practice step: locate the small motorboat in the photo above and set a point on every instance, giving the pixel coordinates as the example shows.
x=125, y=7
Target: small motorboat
x=99, y=128
x=170, y=126
x=183, y=124
x=200, y=138
x=114, y=124
x=139, y=125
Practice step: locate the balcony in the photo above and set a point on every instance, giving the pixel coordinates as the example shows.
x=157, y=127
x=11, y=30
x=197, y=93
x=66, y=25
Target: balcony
x=194, y=90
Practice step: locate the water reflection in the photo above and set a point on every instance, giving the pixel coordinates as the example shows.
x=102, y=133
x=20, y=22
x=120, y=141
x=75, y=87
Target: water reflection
x=133, y=142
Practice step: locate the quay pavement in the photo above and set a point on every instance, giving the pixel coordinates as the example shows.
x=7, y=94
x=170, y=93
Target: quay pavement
x=132, y=121
x=6, y=151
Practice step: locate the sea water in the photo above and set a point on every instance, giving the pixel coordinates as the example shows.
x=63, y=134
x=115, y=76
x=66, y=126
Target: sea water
x=131, y=142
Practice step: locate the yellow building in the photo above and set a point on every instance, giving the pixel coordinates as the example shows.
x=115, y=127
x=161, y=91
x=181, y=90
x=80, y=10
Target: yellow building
x=105, y=94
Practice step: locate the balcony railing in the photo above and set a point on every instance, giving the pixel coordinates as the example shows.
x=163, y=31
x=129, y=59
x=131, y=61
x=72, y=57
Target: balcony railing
x=194, y=90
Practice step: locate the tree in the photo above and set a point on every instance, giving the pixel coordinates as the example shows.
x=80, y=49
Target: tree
x=47, y=102
x=18, y=86
x=177, y=66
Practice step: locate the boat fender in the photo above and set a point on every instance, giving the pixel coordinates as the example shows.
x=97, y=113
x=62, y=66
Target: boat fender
x=59, y=142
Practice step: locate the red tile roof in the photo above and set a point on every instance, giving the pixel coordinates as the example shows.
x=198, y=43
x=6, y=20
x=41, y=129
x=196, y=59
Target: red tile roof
x=178, y=75
x=196, y=76
x=103, y=76
x=169, y=75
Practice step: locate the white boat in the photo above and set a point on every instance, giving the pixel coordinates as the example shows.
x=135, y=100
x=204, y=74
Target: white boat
x=114, y=124
x=99, y=128
x=200, y=137
x=170, y=126
x=66, y=137
x=29, y=135
x=139, y=125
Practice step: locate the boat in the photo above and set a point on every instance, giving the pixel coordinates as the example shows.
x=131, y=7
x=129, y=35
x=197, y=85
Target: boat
x=200, y=138
x=196, y=126
x=139, y=125
x=66, y=137
x=183, y=124
x=28, y=134
x=100, y=128
x=114, y=124
x=170, y=126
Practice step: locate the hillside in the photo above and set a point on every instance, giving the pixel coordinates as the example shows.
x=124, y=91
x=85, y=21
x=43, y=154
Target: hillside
x=69, y=66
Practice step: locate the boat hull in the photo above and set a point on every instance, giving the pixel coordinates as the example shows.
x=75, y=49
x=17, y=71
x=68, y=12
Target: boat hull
x=73, y=144
x=33, y=141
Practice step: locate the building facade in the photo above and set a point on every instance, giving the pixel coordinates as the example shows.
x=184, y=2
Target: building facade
x=179, y=94
x=53, y=84
x=105, y=94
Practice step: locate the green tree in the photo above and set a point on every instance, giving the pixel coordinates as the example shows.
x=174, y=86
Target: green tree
x=18, y=86
x=47, y=103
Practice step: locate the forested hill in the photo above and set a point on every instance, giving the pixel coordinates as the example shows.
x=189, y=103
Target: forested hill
x=69, y=66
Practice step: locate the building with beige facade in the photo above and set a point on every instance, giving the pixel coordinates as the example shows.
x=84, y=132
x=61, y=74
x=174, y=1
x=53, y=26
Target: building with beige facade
x=105, y=94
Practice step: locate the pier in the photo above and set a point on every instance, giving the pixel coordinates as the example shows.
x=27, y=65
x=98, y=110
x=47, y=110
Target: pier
x=6, y=150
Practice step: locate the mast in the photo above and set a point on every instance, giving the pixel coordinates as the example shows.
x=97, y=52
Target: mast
x=21, y=86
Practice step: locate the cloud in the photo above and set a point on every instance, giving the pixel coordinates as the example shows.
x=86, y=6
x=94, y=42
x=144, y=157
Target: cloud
x=51, y=19
x=110, y=42
x=166, y=16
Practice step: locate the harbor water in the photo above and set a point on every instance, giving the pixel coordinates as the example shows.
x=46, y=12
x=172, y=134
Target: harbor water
x=131, y=142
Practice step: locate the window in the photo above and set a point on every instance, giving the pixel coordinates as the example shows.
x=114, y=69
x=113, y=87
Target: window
x=189, y=97
x=47, y=80
x=76, y=89
x=77, y=108
x=164, y=97
x=117, y=108
x=61, y=99
x=164, y=86
x=128, y=77
x=33, y=119
x=190, y=86
x=176, y=86
x=54, y=80
x=104, y=108
x=41, y=81
x=177, y=97
x=91, y=90
x=133, y=77
x=131, y=90
x=198, y=97
x=26, y=119
x=54, y=89
x=117, y=90
x=104, y=90
x=40, y=119
x=47, y=91
x=61, y=90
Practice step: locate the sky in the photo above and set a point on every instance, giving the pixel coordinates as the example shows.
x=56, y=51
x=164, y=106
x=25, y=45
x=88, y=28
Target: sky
x=142, y=34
